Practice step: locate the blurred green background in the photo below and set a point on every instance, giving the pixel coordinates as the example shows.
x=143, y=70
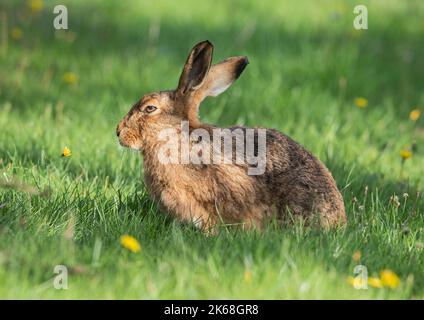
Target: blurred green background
x=346, y=95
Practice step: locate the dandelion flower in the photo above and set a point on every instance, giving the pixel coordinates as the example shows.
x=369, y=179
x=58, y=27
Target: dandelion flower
x=356, y=256
x=130, y=243
x=357, y=282
x=66, y=152
x=350, y=280
x=70, y=78
x=16, y=33
x=389, y=278
x=361, y=102
x=405, y=154
x=35, y=5
x=415, y=114
x=375, y=282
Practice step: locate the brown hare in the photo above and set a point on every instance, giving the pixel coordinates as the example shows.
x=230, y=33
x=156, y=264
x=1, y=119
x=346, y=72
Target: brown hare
x=292, y=180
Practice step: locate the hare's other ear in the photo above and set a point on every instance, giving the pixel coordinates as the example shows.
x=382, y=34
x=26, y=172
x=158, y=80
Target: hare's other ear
x=222, y=75
x=196, y=67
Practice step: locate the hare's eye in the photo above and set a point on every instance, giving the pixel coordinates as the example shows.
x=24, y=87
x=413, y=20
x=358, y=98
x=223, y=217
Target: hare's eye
x=150, y=109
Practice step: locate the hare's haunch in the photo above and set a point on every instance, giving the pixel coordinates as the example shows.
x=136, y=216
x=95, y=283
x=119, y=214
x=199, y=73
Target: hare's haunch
x=190, y=171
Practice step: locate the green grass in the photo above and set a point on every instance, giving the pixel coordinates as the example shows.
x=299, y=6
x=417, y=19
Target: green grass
x=307, y=65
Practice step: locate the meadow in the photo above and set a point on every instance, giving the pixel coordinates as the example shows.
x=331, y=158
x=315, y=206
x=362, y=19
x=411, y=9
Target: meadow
x=346, y=95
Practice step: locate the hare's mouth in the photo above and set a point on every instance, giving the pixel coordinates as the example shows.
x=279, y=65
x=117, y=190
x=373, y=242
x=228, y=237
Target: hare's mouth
x=123, y=144
x=132, y=146
x=126, y=139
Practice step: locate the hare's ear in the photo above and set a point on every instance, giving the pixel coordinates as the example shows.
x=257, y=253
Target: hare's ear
x=222, y=75
x=196, y=67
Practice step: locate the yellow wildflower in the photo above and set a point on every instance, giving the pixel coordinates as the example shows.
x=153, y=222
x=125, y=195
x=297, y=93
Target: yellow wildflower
x=356, y=282
x=70, y=78
x=16, y=33
x=66, y=152
x=361, y=102
x=130, y=243
x=389, y=278
x=356, y=256
x=415, y=114
x=35, y=5
x=375, y=282
x=405, y=154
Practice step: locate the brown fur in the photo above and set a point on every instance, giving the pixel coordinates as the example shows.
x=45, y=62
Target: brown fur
x=294, y=180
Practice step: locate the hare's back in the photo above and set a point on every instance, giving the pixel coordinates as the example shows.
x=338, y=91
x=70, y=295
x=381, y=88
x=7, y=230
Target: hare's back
x=299, y=180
